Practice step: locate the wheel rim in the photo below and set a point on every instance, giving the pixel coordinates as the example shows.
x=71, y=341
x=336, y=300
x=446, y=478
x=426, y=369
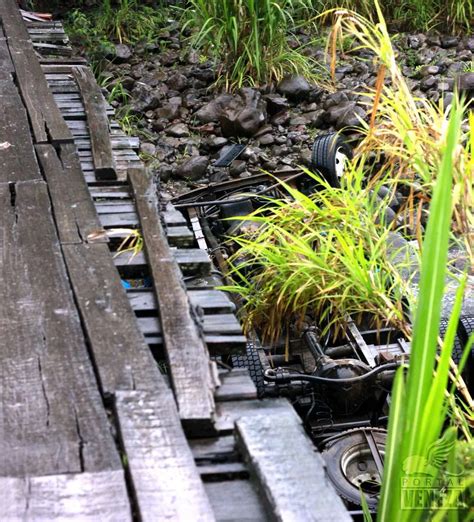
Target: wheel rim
x=360, y=470
x=340, y=162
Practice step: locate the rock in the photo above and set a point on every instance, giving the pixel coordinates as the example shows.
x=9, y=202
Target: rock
x=171, y=110
x=335, y=99
x=315, y=118
x=216, y=142
x=266, y=139
x=465, y=82
x=193, y=169
x=449, y=41
x=414, y=41
x=298, y=120
x=433, y=40
x=123, y=53
x=165, y=172
x=294, y=87
x=429, y=70
x=275, y=103
x=210, y=112
x=470, y=44
x=177, y=82
x=236, y=168
x=178, y=130
x=428, y=82
x=305, y=157
x=282, y=118
x=345, y=114
x=144, y=98
x=244, y=115
x=147, y=148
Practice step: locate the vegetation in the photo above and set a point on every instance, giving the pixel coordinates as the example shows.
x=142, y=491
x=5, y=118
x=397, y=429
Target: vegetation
x=123, y=21
x=416, y=15
x=407, y=133
x=423, y=414
x=326, y=255
x=253, y=42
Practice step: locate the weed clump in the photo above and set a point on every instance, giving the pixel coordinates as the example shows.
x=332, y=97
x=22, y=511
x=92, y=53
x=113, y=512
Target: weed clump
x=253, y=41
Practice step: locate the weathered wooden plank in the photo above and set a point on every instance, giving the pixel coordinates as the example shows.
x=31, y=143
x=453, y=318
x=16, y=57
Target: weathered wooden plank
x=122, y=359
x=77, y=497
x=228, y=325
x=223, y=471
x=227, y=413
x=17, y=157
x=210, y=301
x=74, y=212
x=236, y=385
x=214, y=448
x=295, y=485
x=236, y=500
x=180, y=237
x=165, y=479
x=191, y=260
x=52, y=418
x=187, y=355
x=98, y=123
x=45, y=119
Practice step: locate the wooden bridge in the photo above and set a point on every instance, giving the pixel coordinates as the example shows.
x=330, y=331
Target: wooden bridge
x=90, y=428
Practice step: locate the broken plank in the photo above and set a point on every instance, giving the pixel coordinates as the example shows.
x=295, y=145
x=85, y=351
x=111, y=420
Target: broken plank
x=75, y=215
x=76, y=497
x=187, y=355
x=165, y=479
x=294, y=485
x=98, y=123
x=121, y=357
x=52, y=418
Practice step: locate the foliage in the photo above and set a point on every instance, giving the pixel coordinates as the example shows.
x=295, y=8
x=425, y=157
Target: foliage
x=253, y=41
x=123, y=21
x=419, y=408
x=405, y=132
x=416, y=15
x=326, y=255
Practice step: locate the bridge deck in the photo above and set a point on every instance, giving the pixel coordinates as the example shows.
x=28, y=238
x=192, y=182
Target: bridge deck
x=90, y=428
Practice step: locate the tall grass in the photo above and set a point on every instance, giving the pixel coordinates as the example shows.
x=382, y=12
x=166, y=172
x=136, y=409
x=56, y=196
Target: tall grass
x=419, y=412
x=413, y=15
x=407, y=132
x=326, y=256
x=250, y=38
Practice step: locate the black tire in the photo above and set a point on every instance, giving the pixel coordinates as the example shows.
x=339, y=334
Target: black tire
x=465, y=330
x=341, y=455
x=458, y=347
x=251, y=360
x=327, y=154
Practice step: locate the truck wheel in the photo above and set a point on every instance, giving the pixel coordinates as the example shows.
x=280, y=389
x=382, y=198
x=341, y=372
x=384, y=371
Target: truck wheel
x=329, y=156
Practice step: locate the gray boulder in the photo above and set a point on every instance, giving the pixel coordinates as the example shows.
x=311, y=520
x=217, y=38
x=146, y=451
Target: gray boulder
x=244, y=115
x=294, y=87
x=193, y=168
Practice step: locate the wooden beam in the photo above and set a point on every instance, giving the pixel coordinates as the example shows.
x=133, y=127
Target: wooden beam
x=52, y=418
x=186, y=351
x=45, y=118
x=122, y=359
x=288, y=468
x=74, y=212
x=76, y=497
x=166, y=482
x=98, y=123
